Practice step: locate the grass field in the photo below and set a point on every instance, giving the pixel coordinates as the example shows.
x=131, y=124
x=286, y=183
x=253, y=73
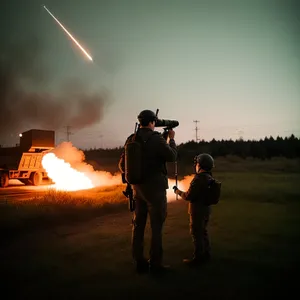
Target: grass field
x=70, y=246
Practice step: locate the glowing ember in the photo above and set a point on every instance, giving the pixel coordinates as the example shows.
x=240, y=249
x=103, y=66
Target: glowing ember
x=65, y=177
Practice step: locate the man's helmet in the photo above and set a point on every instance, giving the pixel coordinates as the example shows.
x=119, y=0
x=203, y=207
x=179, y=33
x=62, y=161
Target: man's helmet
x=147, y=116
x=205, y=161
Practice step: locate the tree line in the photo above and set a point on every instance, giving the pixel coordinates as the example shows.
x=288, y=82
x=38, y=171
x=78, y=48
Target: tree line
x=266, y=148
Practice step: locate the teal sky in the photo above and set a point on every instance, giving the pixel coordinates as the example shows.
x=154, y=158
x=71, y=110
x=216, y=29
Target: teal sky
x=232, y=65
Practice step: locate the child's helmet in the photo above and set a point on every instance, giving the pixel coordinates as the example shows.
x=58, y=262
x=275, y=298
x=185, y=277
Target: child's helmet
x=205, y=161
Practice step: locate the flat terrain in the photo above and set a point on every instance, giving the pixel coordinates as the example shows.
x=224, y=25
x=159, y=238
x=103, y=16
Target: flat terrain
x=18, y=191
x=48, y=252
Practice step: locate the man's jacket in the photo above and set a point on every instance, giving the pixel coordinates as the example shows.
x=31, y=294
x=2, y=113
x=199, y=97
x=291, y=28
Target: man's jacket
x=156, y=152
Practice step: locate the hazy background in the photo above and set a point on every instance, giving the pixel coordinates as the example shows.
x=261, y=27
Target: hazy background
x=232, y=65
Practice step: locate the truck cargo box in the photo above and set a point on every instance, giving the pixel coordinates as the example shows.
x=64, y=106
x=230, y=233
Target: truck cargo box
x=36, y=139
x=31, y=161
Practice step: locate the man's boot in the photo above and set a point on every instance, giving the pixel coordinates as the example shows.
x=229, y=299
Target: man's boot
x=197, y=261
x=142, y=266
x=155, y=269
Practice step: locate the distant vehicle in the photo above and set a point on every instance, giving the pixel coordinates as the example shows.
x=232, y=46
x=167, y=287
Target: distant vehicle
x=24, y=162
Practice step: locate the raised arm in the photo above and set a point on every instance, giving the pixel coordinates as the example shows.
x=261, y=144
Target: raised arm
x=197, y=186
x=167, y=151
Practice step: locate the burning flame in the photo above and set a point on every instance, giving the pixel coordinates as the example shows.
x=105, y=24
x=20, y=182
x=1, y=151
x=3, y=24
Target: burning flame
x=66, y=167
x=65, y=177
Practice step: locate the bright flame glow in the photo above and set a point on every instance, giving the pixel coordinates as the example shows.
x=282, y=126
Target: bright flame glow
x=65, y=177
x=67, y=168
x=182, y=185
x=70, y=35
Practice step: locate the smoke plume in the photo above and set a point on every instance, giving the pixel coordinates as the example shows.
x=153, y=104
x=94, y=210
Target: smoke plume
x=23, y=104
x=76, y=159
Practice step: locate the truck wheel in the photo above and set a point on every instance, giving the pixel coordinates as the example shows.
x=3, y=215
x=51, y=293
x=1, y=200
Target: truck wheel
x=4, y=180
x=36, y=178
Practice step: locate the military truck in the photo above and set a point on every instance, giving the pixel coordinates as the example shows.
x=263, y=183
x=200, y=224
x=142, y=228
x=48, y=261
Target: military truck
x=24, y=162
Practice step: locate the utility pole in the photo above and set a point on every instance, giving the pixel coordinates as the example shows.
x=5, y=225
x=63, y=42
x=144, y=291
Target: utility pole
x=196, y=129
x=240, y=133
x=68, y=133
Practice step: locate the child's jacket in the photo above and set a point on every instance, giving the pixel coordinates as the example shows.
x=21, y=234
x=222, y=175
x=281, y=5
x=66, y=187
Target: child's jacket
x=196, y=192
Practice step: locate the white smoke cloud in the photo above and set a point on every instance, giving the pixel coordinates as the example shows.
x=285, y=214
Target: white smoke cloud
x=76, y=159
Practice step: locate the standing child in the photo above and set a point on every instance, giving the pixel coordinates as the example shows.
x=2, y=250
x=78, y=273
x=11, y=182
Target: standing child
x=201, y=194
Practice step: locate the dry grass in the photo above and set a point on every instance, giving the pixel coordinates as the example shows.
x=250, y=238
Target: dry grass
x=58, y=207
x=92, y=197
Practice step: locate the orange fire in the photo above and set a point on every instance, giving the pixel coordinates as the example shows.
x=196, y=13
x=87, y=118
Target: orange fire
x=65, y=177
x=182, y=185
x=66, y=167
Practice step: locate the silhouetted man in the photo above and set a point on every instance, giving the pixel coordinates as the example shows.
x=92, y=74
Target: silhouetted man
x=150, y=195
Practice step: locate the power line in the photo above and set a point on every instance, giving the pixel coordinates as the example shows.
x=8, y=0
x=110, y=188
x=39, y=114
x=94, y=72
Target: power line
x=196, y=129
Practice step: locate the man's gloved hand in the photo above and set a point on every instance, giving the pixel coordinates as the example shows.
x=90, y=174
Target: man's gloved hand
x=171, y=133
x=175, y=188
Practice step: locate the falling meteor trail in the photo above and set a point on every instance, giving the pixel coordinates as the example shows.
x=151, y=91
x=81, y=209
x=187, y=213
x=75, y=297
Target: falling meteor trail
x=69, y=34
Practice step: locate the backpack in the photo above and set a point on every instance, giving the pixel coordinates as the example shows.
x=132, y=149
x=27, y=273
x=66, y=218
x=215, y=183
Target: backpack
x=133, y=159
x=213, y=192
